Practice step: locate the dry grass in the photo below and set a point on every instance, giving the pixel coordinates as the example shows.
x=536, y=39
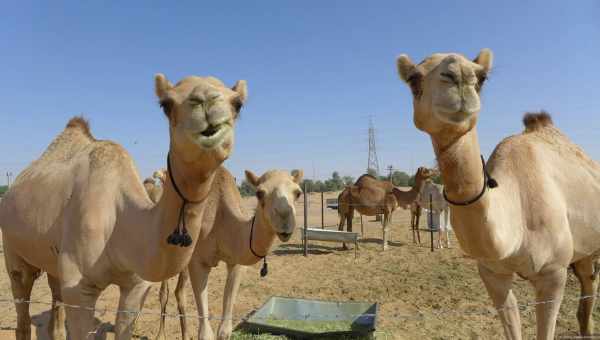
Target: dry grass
x=421, y=294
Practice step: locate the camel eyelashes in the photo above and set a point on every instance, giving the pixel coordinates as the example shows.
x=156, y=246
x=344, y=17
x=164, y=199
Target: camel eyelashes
x=298, y=193
x=166, y=105
x=481, y=78
x=237, y=104
x=260, y=194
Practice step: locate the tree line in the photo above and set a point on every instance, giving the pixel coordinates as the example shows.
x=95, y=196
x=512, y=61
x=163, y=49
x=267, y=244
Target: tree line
x=338, y=183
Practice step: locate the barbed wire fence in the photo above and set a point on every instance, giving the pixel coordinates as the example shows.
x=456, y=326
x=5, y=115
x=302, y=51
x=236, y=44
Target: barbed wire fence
x=419, y=315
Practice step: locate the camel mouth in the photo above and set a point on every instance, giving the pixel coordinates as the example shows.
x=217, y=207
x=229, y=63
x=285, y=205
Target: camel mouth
x=213, y=135
x=284, y=237
x=211, y=130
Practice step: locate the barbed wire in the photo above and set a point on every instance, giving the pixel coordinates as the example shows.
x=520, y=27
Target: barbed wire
x=419, y=315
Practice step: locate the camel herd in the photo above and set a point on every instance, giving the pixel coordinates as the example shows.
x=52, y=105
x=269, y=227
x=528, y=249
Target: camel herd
x=81, y=213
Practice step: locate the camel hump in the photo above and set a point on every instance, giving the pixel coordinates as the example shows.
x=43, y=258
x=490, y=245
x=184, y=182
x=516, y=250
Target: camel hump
x=80, y=124
x=537, y=120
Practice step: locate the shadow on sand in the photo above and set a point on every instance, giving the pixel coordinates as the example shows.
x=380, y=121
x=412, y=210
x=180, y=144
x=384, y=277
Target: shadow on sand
x=40, y=322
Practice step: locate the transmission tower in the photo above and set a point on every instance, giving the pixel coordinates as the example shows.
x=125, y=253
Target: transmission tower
x=373, y=160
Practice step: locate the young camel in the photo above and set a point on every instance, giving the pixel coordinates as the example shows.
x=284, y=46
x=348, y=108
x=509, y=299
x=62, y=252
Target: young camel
x=370, y=197
x=439, y=207
x=81, y=214
x=227, y=234
x=532, y=210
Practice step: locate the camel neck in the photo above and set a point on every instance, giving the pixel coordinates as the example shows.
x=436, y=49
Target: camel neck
x=262, y=239
x=405, y=198
x=143, y=243
x=460, y=165
x=480, y=226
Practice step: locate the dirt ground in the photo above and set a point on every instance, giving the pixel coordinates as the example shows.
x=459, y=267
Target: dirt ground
x=422, y=295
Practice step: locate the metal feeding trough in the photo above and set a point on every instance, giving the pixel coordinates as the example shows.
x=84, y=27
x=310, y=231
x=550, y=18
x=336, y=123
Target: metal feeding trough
x=306, y=319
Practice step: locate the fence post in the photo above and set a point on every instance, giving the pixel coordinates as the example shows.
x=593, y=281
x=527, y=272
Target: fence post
x=305, y=220
x=431, y=220
x=322, y=212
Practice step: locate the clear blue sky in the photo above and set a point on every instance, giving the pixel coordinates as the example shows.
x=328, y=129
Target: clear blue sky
x=315, y=69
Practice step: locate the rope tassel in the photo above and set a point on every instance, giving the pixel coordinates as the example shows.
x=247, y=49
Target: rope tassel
x=179, y=236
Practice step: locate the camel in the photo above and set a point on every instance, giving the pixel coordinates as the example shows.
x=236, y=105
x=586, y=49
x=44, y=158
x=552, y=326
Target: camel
x=370, y=196
x=531, y=210
x=439, y=207
x=81, y=214
x=236, y=239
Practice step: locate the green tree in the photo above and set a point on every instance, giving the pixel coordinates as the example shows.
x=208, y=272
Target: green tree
x=372, y=172
x=400, y=178
x=246, y=189
x=348, y=180
x=3, y=189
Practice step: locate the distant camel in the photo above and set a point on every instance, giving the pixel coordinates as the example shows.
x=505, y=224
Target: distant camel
x=439, y=207
x=370, y=196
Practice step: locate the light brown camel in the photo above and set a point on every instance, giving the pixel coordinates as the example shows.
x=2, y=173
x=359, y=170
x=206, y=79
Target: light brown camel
x=80, y=211
x=370, y=196
x=228, y=235
x=438, y=206
x=533, y=209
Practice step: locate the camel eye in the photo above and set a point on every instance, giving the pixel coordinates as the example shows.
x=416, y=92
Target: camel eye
x=414, y=81
x=260, y=194
x=297, y=193
x=237, y=104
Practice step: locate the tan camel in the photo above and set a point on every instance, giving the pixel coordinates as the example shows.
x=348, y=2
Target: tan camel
x=228, y=235
x=532, y=210
x=438, y=206
x=154, y=185
x=80, y=212
x=370, y=196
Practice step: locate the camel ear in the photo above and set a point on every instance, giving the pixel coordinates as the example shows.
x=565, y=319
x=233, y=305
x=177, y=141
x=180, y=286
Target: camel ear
x=405, y=67
x=242, y=90
x=297, y=175
x=485, y=59
x=252, y=178
x=161, y=86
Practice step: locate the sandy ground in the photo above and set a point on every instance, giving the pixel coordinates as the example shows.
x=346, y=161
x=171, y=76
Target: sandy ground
x=421, y=294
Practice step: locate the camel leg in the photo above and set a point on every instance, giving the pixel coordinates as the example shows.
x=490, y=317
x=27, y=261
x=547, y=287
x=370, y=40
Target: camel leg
x=588, y=278
x=548, y=286
x=446, y=213
x=131, y=300
x=22, y=275
x=83, y=295
x=234, y=275
x=499, y=288
x=341, y=227
x=199, y=277
x=412, y=224
x=417, y=224
x=56, y=324
x=349, y=217
x=385, y=231
x=163, y=297
x=184, y=276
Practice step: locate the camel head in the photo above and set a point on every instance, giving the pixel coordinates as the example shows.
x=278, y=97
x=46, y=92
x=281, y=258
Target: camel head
x=160, y=175
x=277, y=191
x=446, y=90
x=423, y=174
x=202, y=114
x=149, y=184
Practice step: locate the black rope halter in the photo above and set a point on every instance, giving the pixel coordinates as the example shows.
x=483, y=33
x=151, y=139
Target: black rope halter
x=488, y=182
x=264, y=270
x=179, y=236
